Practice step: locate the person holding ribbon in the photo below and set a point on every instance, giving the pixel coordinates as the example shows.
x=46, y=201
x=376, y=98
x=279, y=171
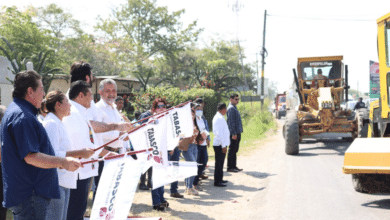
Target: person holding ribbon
x=82, y=135
x=159, y=203
x=28, y=158
x=57, y=107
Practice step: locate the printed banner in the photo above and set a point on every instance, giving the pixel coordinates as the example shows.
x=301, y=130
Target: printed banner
x=374, y=80
x=153, y=135
x=173, y=172
x=116, y=189
x=180, y=124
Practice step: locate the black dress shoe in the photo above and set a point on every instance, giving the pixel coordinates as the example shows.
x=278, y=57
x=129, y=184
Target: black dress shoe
x=220, y=184
x=165, y=204
x=232, y=170
x=159, y=207
x=143, y=187
x=224, y=181
x=238, y=169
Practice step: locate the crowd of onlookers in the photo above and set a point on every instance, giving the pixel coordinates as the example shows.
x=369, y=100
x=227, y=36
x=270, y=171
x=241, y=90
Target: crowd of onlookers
x=46, y=137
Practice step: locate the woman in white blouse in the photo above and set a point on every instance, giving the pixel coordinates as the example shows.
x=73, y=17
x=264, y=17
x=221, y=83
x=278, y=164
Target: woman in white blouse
x=58, y=107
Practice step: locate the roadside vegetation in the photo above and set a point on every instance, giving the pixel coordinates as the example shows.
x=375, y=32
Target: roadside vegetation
x=256, y=122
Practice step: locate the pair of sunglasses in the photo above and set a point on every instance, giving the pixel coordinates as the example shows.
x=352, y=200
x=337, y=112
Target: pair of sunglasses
x=161, y=106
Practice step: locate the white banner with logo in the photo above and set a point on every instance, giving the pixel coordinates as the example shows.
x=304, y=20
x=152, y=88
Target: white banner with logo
x=116, y=189
x=153, y=135
x=173, y=172
x=180, y=124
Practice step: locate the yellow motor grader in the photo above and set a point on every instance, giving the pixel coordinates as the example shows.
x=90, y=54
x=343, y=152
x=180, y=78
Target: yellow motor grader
x=368, y=159
x=321, y=87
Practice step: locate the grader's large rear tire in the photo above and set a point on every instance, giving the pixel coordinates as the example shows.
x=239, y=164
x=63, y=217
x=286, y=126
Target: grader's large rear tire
x=371, y=183
x=362, y=127
x=292, y=133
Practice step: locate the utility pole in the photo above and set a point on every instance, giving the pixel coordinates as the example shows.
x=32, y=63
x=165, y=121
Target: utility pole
x=242, y=64
x=257, y=77
x=263, y=51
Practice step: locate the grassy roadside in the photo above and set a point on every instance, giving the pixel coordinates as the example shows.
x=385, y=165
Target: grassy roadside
x=256, y=123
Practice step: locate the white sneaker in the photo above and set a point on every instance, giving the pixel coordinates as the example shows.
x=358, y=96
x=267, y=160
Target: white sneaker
x=192, y=191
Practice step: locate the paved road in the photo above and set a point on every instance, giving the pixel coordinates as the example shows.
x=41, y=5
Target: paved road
x=312, y=185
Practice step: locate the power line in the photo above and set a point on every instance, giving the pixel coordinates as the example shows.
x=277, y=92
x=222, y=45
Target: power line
x=326, y=19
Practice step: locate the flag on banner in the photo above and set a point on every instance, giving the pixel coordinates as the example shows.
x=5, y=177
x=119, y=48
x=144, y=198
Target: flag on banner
x=116, y=189
x=179, y=125
x=153, y=135
x=173, y=172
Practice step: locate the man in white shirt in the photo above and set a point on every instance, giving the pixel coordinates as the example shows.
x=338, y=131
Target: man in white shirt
x=82, y=135
x=220, y=143
x=108, y=94
x=81, y=70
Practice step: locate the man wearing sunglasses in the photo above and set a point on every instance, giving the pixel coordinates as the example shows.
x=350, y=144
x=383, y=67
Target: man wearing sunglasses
x=235, y=128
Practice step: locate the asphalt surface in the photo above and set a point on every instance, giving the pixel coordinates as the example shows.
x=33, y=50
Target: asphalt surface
x=311, y=185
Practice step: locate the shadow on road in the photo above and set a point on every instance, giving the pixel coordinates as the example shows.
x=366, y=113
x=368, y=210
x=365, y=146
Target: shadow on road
x=183, y=215
x=259, y=175
x=379, y=204
x=337, y=146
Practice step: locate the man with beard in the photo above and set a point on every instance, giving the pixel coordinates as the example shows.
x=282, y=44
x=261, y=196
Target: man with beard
x=110, y=114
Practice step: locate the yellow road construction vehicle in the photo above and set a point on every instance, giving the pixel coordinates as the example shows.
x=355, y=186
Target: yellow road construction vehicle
x=321, y=87
x=368, y=159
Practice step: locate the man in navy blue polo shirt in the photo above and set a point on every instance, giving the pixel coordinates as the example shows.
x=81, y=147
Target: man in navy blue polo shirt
x=28, y=161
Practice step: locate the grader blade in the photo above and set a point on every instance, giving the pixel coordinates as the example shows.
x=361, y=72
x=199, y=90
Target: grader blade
x=367, y=155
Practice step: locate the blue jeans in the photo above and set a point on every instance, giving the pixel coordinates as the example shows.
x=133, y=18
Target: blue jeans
x=78, y=200
x=174, y=157
x=203, y=157
x=190, y=155
x=58, y=208
x=33, y=208
x=158, y=196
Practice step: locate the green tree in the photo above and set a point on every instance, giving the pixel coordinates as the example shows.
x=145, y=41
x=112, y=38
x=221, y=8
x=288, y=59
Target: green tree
x=55, y=19
x=145, y=31
x=19, y=65
x=22, y=33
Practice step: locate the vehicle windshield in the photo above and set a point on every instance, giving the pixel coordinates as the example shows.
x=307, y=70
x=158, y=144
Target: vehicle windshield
x=328, y=70
x=282, y=99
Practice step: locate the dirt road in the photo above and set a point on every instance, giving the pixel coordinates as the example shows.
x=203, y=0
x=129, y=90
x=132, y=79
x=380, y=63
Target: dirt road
x=276, y=186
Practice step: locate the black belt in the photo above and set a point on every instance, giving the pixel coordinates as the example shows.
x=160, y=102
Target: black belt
x=116, y=150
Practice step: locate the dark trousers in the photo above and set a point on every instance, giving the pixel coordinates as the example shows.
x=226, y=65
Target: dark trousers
x=203, y=157
x=143, y=178
x=96, y=179
x=219, y=161
x=78, y=200
x=3, y=211
x=232, y=153
x=174, y=157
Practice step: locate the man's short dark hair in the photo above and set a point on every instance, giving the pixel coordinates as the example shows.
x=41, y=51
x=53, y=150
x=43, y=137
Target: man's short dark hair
x=221, y=106
x=234, y=95
x=23, y=81
x=77, y=87
x=79, y=71
x=199, y=100
x=118, y=98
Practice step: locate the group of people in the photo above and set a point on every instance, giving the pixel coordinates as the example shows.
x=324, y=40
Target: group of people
x=42, y=159
x=227, y=134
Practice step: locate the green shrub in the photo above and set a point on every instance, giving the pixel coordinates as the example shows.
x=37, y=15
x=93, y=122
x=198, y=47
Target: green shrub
x=143, y=101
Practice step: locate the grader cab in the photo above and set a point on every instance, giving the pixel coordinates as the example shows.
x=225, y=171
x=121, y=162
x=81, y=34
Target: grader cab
x=321, y=87
x=368, y=159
